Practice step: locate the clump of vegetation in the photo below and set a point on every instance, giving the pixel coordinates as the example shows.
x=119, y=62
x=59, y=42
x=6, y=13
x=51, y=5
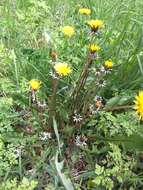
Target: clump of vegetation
x=71, y=98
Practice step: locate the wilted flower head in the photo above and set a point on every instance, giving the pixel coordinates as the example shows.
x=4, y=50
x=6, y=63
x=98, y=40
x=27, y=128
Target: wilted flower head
x=108, y=64
x=98, y=102
x=95, y=24
x=77, y=118
x=96, y=106
x=16, y=152
x=93, y=110
x=53, y=75
x=139, y=104
x=99, y=71
x=101, y=83
x=94, y=48
x=45, y=136
x=54, y=56
x=84, y=11
x=81, y=141
x=62, y=69
x=35, y=84
x=68, y=31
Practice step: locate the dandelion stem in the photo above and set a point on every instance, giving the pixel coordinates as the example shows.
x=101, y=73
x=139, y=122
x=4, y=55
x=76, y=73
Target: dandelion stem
x=52, y=106
x=82, y=80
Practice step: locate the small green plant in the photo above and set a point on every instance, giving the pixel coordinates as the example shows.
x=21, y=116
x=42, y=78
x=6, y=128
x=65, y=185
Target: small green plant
x=15, y=185
x=114, y=172
x=7, y=158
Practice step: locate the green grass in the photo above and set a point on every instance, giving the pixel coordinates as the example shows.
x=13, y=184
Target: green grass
x=23, y=24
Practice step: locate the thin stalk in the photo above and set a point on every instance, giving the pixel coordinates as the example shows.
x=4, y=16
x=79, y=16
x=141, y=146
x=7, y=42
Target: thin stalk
x=82, y=79
x=86, y=114
x=15, y=68
x=116, y=108
x=20, y=165
x=52, y=106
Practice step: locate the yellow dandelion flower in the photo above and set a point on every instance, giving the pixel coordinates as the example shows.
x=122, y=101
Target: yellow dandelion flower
x=139, y=104
x=35, y=84
x=94, y=48
x=62, y=68
x=108, y=64
x=85, y=11
x=68, y=31
x=95, y=24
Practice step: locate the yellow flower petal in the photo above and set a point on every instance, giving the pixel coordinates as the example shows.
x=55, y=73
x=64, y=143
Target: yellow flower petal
x=35, y=84
x=139, y=104
x=95, y=24
x=94, y=48
x=68, y=31
x=85, y=11
x=108, y=64
x=62, y=69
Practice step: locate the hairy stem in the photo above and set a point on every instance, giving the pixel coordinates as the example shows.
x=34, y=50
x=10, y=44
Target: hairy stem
x=52, y=106
x=122, y=107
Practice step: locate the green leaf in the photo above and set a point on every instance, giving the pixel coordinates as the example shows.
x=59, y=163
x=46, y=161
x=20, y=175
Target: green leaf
x=97, y=180
x=124, y=100
x=99, y=170
x=134, y=142
x=56, y=133
x=112, y=102
x=66, y=181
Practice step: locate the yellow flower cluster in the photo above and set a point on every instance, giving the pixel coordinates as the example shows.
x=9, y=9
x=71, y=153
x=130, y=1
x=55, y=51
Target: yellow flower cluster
x=62, y=69
x=84, y=11
x=139, y=104
x=94, y=48
x=35, y=84
x=68, y=31
x=108, y=64
x=95, y=24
